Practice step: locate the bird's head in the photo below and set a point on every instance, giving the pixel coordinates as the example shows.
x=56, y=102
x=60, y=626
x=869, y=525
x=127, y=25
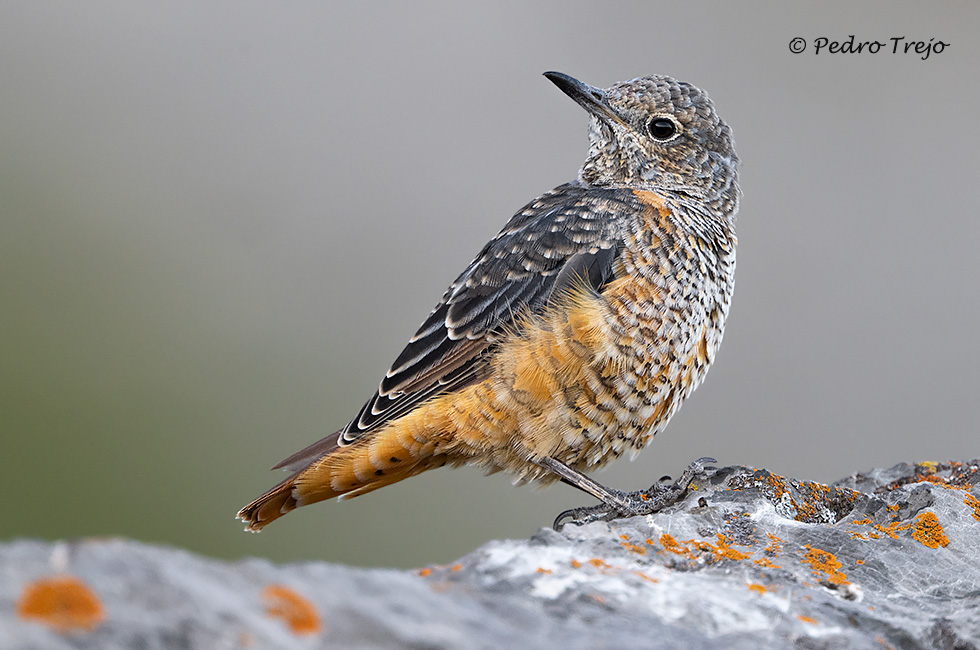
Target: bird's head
x=655, y=133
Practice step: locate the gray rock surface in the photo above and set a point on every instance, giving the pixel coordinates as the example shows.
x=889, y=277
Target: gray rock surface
x=885, y=559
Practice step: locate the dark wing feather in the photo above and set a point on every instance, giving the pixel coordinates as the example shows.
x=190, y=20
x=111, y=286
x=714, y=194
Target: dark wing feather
x=569, y=235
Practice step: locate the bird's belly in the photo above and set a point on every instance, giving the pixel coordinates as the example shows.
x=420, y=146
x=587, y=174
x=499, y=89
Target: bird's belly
x=589, y=379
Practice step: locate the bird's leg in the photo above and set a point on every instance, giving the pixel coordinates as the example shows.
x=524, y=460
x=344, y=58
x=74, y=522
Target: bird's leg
x=616, y=504
x=612, y=498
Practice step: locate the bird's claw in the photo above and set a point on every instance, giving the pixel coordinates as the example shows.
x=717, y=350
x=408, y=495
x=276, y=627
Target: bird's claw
x=658, y=496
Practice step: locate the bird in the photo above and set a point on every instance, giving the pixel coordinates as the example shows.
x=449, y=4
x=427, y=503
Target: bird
x=577, y=331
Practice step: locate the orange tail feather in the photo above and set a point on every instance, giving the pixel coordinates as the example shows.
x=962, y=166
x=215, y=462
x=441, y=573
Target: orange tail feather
x=270, y=506
x=347, y=472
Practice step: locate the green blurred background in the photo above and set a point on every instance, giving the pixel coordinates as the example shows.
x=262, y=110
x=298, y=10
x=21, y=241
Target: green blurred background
x=220, y=221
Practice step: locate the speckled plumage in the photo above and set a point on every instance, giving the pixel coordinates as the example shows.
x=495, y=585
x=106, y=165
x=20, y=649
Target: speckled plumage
x=577, y=332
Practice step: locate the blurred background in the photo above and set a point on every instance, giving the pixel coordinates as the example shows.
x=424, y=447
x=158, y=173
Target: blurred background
x=220, y=222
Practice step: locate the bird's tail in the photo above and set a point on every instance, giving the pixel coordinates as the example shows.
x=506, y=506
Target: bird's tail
x=270, y=506
x=405, y=448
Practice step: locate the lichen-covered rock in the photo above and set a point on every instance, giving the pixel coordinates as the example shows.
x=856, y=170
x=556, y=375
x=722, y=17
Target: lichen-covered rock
x=889, y=558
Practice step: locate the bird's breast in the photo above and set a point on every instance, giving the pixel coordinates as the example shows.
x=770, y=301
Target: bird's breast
x=667, y=307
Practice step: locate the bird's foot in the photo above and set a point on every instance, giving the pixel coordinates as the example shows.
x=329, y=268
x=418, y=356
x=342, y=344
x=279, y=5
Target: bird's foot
x=658, y=496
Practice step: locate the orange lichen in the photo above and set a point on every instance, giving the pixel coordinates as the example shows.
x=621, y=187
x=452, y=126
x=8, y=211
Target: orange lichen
x=766, y=562
x=424, y=573
x=972, y=502
x=597, y=563
x=892, y=529
x=65, y=603
x=866, y=536
x=775, y=544
x=645, y=576
x=297, y=612
x=456, y=567
x=951, y=476
x=929, y=531
x=807, y=619
x=809, y=509
x=541, y=569
x=858, y=561
x=777, y=484
x=634, y=548
x=724, y=550
x=805, y=501
x=823, y=562
x=759, y=589
x=671, y=545
x=692, y=548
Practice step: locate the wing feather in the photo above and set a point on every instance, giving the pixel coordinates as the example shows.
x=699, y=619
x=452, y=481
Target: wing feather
x=567, y=235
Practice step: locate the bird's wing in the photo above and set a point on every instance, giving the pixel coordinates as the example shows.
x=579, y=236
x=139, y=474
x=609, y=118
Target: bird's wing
x=564, y=237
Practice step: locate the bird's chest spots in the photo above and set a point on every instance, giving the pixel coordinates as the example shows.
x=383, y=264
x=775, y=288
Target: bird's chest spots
x=670, y=297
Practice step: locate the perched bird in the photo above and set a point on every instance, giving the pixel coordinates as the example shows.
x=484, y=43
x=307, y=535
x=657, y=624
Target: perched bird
x=576, y=333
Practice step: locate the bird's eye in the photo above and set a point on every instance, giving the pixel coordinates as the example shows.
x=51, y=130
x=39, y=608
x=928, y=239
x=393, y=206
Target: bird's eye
x=662, y=128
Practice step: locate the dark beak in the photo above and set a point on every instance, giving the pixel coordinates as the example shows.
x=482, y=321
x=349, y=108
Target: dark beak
x=588, y=97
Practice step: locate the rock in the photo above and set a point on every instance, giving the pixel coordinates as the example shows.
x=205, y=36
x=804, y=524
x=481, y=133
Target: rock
x=884, y=559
